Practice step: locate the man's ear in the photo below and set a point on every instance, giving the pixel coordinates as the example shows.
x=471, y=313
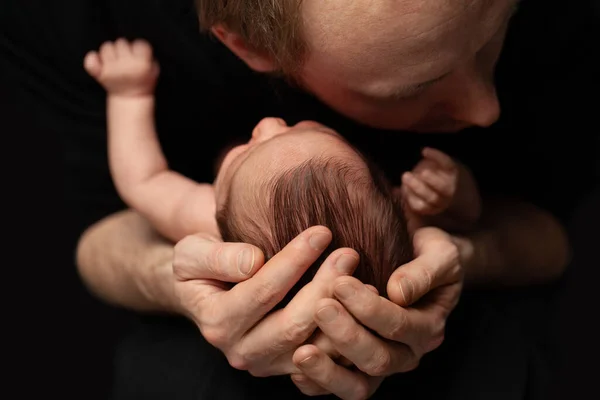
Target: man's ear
x=255, y=60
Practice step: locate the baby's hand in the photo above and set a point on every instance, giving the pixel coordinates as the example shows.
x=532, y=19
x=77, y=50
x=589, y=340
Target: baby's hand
x=429, y=189
x=123, y=68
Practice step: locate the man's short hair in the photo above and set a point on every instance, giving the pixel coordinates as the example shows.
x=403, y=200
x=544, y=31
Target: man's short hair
x=354, y=202
x=272, y=27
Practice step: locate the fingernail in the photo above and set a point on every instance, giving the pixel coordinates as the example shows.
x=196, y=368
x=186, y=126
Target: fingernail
x=245, y=261
x=308, y=361
x=346, y=263
x=407, y=289
x=319, y=241
x=327, y=314
x=344, y=291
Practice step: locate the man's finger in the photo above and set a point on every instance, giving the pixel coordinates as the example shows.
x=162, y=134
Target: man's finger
x=285, y=329
x=249, y=301
x=370, y=354
x=307, y=386
x=414, y=327
x=202, y=257
x=436, y=307
x=321, y=370
x=437, y=263
x=325, y=345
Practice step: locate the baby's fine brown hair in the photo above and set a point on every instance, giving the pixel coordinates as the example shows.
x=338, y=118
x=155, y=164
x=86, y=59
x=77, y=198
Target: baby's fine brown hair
x=354, y=202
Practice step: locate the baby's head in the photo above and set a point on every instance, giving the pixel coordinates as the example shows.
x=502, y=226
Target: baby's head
x=287, y=179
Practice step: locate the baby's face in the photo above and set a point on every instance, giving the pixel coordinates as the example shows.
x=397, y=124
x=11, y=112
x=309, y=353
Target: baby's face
x=275, y=147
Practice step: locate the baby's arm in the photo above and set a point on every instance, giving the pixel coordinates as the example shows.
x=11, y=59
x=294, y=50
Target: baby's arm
x=175, y=205
x=442, y=191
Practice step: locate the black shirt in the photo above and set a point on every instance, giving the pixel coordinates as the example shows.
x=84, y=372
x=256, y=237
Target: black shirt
x=542, y=149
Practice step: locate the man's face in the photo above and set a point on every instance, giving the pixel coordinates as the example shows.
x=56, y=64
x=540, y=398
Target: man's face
x=418, y=65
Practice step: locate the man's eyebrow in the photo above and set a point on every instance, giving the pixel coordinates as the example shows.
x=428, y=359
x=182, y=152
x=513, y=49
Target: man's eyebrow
x=408, y=90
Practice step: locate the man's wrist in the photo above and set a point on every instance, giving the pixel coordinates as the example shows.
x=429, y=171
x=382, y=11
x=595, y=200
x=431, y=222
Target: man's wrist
x=157, y=284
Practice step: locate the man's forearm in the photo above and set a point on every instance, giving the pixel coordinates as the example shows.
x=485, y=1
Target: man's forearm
x=518, y=244
x=125, y=263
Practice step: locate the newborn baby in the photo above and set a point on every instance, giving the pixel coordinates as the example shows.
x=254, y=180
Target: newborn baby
x=283, y=181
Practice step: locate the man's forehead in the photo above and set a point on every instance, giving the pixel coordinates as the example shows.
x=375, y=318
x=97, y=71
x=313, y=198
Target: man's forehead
x=419, y=37
x=327, y=20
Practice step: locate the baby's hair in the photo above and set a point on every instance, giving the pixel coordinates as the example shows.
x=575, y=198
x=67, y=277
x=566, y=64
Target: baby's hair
x=354, y=202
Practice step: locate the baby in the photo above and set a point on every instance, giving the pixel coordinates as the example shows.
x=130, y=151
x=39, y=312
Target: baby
x=284, y=180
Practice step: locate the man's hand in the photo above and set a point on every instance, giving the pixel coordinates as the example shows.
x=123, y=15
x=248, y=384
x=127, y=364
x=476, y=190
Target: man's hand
x=423, y=293
x=234, y=318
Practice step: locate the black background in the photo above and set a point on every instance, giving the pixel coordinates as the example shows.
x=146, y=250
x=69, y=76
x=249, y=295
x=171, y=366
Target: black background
x=58, y=340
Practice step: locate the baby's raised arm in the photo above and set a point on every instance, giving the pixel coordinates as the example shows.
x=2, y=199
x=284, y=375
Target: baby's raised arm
x=176, y=205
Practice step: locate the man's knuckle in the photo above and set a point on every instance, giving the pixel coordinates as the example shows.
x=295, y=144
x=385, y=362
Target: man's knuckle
x=238, y=362
x=186, y=256
x=296, y=333
x=439, y=326
x=181, y=258
x=411, y=365
x=350, y=337
x=214, y=265
x=216, y=336
x=361, y=392
x=397, y=326
x=371, y=306
x=427, y=277
x=450, y=251
x=380, y=364
x=435, y=343
x=266, y=294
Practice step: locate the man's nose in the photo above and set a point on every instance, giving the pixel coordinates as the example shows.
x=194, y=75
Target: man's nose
x=474, y=100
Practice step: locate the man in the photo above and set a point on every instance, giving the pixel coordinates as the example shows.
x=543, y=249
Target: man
x=365, y=68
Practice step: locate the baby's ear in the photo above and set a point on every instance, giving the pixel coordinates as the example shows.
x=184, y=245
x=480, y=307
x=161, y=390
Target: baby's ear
x=256, y=60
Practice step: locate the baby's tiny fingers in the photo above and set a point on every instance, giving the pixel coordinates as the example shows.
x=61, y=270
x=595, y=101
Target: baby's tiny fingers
x=92, y=64
x=439, y=157
x=107, y=51
x=442, y=183
x=420, y=188
x=417, y=204
x=122, y=47
x=142, y=48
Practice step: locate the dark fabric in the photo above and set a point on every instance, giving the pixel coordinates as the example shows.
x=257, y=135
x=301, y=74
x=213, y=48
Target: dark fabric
x=486, y=355
x=543, y=149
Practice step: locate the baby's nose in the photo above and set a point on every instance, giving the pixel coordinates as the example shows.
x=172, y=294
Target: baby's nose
x=268, y=127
